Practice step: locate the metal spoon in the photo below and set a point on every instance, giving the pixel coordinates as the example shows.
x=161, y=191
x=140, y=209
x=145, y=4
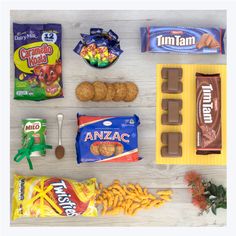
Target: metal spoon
x=60, y=151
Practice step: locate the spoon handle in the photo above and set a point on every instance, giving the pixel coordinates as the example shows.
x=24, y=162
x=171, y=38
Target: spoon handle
x=59, y=122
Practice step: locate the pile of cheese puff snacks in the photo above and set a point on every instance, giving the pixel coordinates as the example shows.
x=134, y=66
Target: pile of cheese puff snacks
x=99, y=48
x=129, y=198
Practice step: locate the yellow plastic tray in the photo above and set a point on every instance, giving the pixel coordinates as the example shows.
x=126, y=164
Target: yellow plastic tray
x=188, y=128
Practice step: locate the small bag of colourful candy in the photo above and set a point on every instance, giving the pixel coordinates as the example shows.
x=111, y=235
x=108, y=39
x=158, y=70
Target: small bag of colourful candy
x=99, y=48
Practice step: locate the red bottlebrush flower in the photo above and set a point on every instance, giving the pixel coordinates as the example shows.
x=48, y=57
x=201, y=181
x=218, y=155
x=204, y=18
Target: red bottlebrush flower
x=192, y=176
x=200, y=201
x=194, y=180
x=205, y=195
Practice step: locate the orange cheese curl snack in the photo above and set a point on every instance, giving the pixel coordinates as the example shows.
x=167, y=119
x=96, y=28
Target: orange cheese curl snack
x=52, y=197
x=128, y=199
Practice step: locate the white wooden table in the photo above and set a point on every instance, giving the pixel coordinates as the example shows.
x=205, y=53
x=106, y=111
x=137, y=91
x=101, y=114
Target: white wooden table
x=133, y=66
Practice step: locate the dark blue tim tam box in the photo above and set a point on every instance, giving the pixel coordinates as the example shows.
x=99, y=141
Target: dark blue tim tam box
x=182, y=40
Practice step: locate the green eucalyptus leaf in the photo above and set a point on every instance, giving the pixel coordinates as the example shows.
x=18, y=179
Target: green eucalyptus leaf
x=213, y=189
x=213, y=209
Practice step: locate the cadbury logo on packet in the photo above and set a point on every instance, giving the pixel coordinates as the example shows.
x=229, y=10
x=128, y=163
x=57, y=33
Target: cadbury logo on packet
x=107, y=139
x=182, y=40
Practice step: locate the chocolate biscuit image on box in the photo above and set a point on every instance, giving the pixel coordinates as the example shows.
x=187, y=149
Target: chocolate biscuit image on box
x=107, y=149
x=120, y=91
x=132, y=91
x=208, y=99
x=207, y=40
x=100, y=91
x=85, y=91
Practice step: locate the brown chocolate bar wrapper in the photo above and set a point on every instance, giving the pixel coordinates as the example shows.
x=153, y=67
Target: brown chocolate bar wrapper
x=208, y=114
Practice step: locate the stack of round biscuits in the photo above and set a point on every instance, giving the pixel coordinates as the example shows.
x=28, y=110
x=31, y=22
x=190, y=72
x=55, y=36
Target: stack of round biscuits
x=100, y=91
x=107, y=149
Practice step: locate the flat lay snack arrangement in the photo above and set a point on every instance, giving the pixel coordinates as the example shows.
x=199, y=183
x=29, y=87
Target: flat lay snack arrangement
x=118, y=118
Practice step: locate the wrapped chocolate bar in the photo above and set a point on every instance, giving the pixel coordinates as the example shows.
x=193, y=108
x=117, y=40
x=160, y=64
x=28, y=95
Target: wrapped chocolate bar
x=102, y=53
x=208, y=113
x=182, y=40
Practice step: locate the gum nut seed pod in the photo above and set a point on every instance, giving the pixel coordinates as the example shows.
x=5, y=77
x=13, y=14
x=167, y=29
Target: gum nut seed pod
x=85, y=91
x=100, y=91
x=120, y=91
x=132, y=91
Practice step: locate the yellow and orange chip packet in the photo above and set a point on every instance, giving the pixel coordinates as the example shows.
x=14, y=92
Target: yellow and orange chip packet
x=35, y=196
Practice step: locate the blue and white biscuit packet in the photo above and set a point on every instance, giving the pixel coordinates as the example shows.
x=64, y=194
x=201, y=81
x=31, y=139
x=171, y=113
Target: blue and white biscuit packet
x=107, y=139
x=182, y=40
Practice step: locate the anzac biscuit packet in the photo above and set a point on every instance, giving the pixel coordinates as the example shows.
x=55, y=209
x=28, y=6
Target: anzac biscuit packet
x=107, y=139
x=52, y=197
x=38, y=61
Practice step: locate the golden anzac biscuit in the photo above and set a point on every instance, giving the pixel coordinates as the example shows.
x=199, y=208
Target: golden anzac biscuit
x=107, y=149
x=132, y=91
x=94, y=149
x=100, y=91
x=119, y=149
x=110, y=92
x=85, y=91
x=120, y=91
